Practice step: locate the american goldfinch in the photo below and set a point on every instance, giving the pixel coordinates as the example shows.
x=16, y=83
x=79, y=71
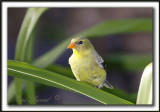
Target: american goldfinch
x=86, y=64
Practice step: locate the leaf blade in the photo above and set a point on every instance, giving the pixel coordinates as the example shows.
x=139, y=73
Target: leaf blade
x=145, y=88
x=23, y=50
x=27, y=71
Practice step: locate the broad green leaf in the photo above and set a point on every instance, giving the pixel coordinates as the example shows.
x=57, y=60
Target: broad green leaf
x=24, y=49
x=145, y=88
x=105, y=28
x=66, y=71
x=29, y=72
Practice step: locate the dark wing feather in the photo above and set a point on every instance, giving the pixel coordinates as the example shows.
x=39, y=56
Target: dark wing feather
x=104, y=65
x=100, y=62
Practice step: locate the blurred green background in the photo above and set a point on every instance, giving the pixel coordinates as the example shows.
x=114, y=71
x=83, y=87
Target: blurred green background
x=121, y=52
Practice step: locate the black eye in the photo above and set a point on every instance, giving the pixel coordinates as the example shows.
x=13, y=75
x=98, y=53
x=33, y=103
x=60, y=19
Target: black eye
x=80, y=42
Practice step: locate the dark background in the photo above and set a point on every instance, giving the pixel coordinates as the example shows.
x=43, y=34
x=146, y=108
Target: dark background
x=56, y=24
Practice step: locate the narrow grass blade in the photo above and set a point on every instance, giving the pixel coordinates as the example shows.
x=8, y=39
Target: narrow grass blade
x=11, y=92
x=28, y=25
x=32, y=73
x=145, y=88
x=21, y=54
x=18, y=86
x=30, y=88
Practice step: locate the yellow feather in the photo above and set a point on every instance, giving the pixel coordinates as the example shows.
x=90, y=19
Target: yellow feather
x=85, y=68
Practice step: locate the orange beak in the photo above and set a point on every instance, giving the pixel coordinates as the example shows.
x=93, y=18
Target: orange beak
x=71, y=45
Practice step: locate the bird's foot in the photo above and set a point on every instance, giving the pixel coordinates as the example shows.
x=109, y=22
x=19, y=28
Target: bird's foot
x=99, y=86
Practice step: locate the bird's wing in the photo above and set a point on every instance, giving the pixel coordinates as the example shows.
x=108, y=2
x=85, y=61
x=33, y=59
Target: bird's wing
x=100, y=62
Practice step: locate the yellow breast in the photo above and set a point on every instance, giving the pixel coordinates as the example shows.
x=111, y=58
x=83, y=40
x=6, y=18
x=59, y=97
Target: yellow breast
x=87, y=70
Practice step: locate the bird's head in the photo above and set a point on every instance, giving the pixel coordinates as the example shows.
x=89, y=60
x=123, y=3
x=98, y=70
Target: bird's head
x=80, y=44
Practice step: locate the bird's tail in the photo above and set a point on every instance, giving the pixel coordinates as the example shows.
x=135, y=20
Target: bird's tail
x=107, y=84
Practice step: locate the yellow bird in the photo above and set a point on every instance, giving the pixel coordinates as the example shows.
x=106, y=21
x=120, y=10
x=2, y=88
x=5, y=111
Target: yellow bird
x=86, y=64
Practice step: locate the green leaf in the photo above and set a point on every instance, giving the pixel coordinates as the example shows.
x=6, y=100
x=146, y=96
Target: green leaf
x=145, y=88
x=28, y=25
x=105, y=28
x=118, y=27
x=18, y=86
x=32, y=73
x=66, y=71
x=30, y=88
x=11, y=91
x=24, y=49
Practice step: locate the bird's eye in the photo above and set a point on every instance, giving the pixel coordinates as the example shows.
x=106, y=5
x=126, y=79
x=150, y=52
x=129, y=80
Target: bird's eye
x=80, y=42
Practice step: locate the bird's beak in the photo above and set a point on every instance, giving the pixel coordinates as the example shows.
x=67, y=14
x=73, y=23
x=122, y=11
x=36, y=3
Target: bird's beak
x=71, y=45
